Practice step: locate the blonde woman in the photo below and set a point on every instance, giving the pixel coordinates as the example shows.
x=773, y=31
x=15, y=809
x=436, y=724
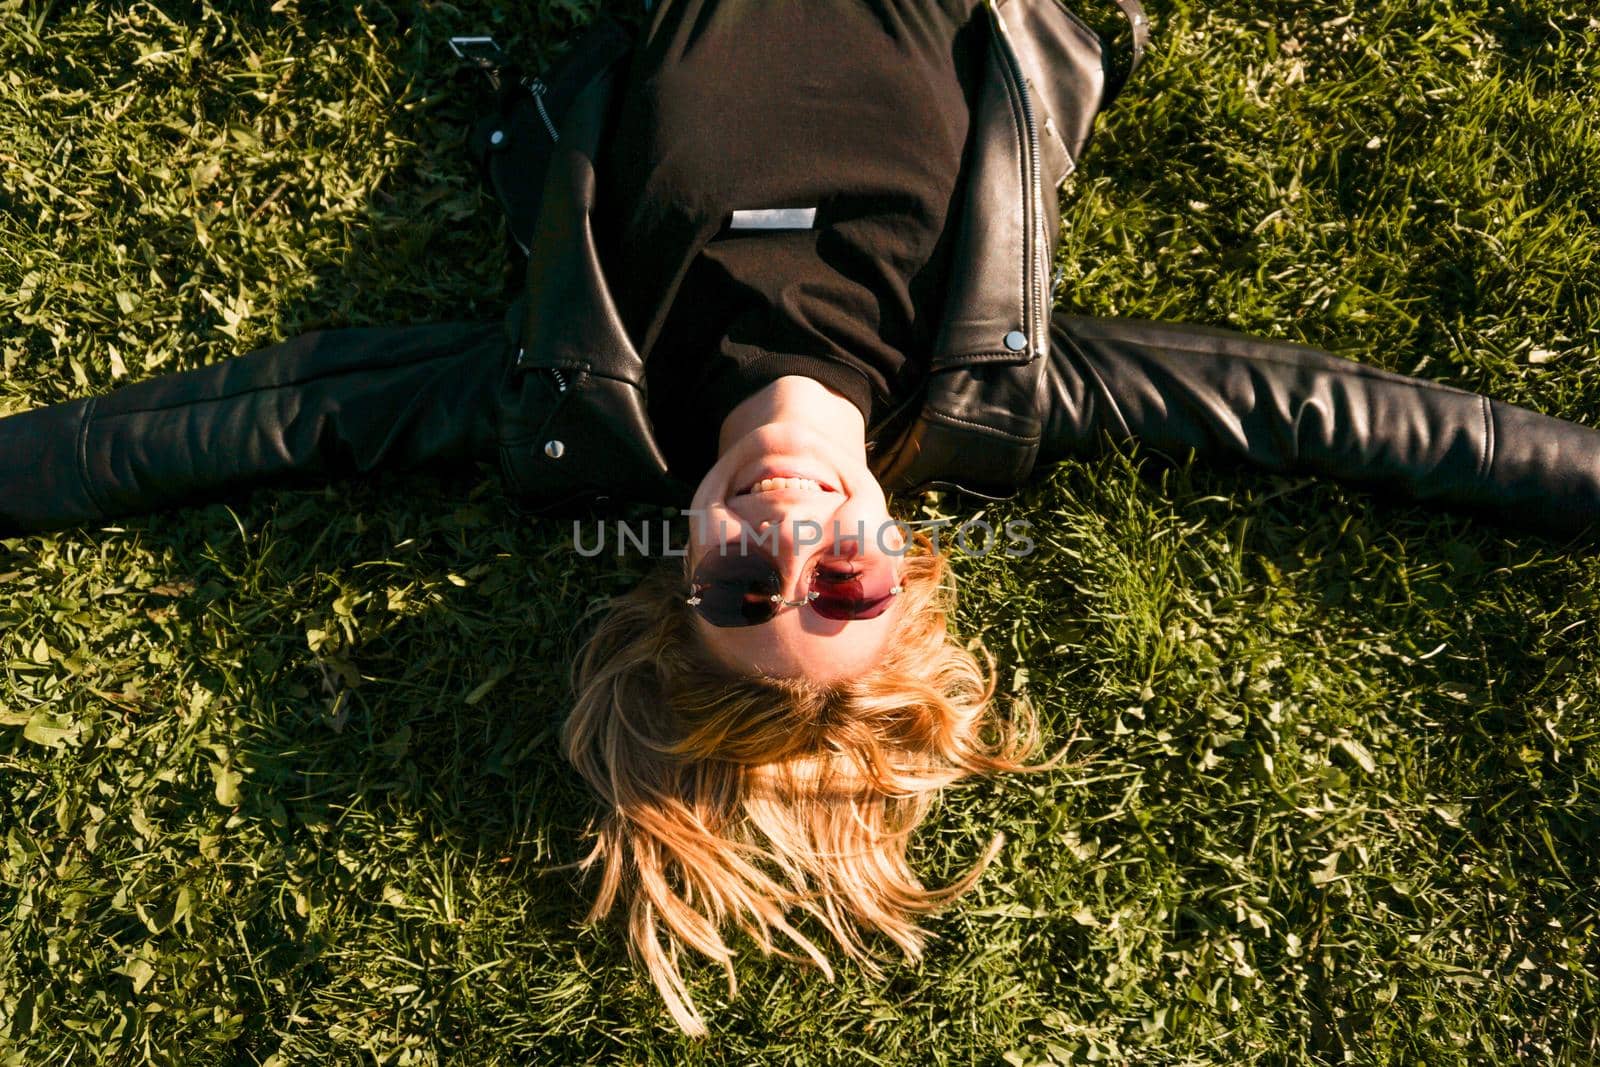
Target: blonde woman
x=782, y=259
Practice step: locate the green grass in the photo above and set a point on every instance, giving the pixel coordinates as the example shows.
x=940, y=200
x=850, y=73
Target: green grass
x=279, y=783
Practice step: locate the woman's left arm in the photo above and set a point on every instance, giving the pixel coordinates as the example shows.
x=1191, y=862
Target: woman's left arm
x=1291, y=408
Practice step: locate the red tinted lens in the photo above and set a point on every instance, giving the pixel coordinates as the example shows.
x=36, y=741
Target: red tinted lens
x=736, y=588
x=852, y=589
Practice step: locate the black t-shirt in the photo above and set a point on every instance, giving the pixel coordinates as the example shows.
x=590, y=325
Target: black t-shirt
x=857, y=109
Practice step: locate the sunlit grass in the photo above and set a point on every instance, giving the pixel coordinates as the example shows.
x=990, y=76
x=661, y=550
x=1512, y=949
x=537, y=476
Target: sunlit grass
x=279, y=779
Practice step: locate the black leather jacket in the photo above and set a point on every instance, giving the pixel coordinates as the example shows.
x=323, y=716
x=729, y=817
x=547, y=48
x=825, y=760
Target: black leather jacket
x=1013, y=386
x=557, y=397
x=981, y=420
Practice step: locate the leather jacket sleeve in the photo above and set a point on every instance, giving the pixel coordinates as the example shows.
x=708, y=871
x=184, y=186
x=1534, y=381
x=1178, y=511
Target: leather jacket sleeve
x=1290, y=408
x=319, y=406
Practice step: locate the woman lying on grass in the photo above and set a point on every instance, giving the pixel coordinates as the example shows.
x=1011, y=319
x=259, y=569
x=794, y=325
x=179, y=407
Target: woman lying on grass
x=796, y=257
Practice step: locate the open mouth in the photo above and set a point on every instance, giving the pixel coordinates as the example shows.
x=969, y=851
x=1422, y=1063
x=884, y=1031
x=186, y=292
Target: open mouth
x=786, y=482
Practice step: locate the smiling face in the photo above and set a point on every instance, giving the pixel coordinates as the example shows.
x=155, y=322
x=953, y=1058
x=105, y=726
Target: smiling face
x=789, y=492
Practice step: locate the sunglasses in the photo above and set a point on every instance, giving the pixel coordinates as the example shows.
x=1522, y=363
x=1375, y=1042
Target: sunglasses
x=738, y=586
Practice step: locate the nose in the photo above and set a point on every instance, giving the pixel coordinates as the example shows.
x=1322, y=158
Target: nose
x=788, y=531
x=786, y=525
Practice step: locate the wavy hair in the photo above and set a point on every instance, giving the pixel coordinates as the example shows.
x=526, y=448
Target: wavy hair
x=744, y=801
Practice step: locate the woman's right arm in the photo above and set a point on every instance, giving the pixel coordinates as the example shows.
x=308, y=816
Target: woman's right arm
x=323, y=405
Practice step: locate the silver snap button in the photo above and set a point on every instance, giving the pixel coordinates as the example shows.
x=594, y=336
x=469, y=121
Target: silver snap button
x=1016, y=340
x=554, y=449
x=497, y=137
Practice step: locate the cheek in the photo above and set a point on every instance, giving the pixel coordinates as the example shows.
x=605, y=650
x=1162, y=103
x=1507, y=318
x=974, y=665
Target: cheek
x=892, y=537
x=724, y=533
x=882, y=533
x=707, y=533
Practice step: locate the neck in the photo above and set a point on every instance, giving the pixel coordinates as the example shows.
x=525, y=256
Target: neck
x=797, y=399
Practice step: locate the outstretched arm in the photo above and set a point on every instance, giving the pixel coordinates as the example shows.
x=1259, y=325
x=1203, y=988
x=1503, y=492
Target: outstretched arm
x=1287, y=407
x=323, y=405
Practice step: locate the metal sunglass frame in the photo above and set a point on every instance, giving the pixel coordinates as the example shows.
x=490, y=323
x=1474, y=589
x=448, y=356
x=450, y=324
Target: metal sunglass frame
x=779, y=601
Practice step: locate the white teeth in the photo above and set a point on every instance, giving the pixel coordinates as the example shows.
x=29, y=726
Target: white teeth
x=767, y=485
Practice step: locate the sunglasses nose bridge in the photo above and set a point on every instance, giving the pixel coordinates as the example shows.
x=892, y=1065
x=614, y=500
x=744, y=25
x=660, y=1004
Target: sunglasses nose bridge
x=775, y=542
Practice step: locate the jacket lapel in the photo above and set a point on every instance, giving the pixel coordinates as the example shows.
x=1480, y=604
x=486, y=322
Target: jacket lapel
x=573, y=419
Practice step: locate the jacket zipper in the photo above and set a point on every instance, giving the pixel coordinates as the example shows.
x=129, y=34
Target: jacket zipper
x=555, y=372
x=1034, y=224
x=537, y=89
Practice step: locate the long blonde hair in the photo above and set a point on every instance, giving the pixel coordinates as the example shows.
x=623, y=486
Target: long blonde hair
x=744, y=800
